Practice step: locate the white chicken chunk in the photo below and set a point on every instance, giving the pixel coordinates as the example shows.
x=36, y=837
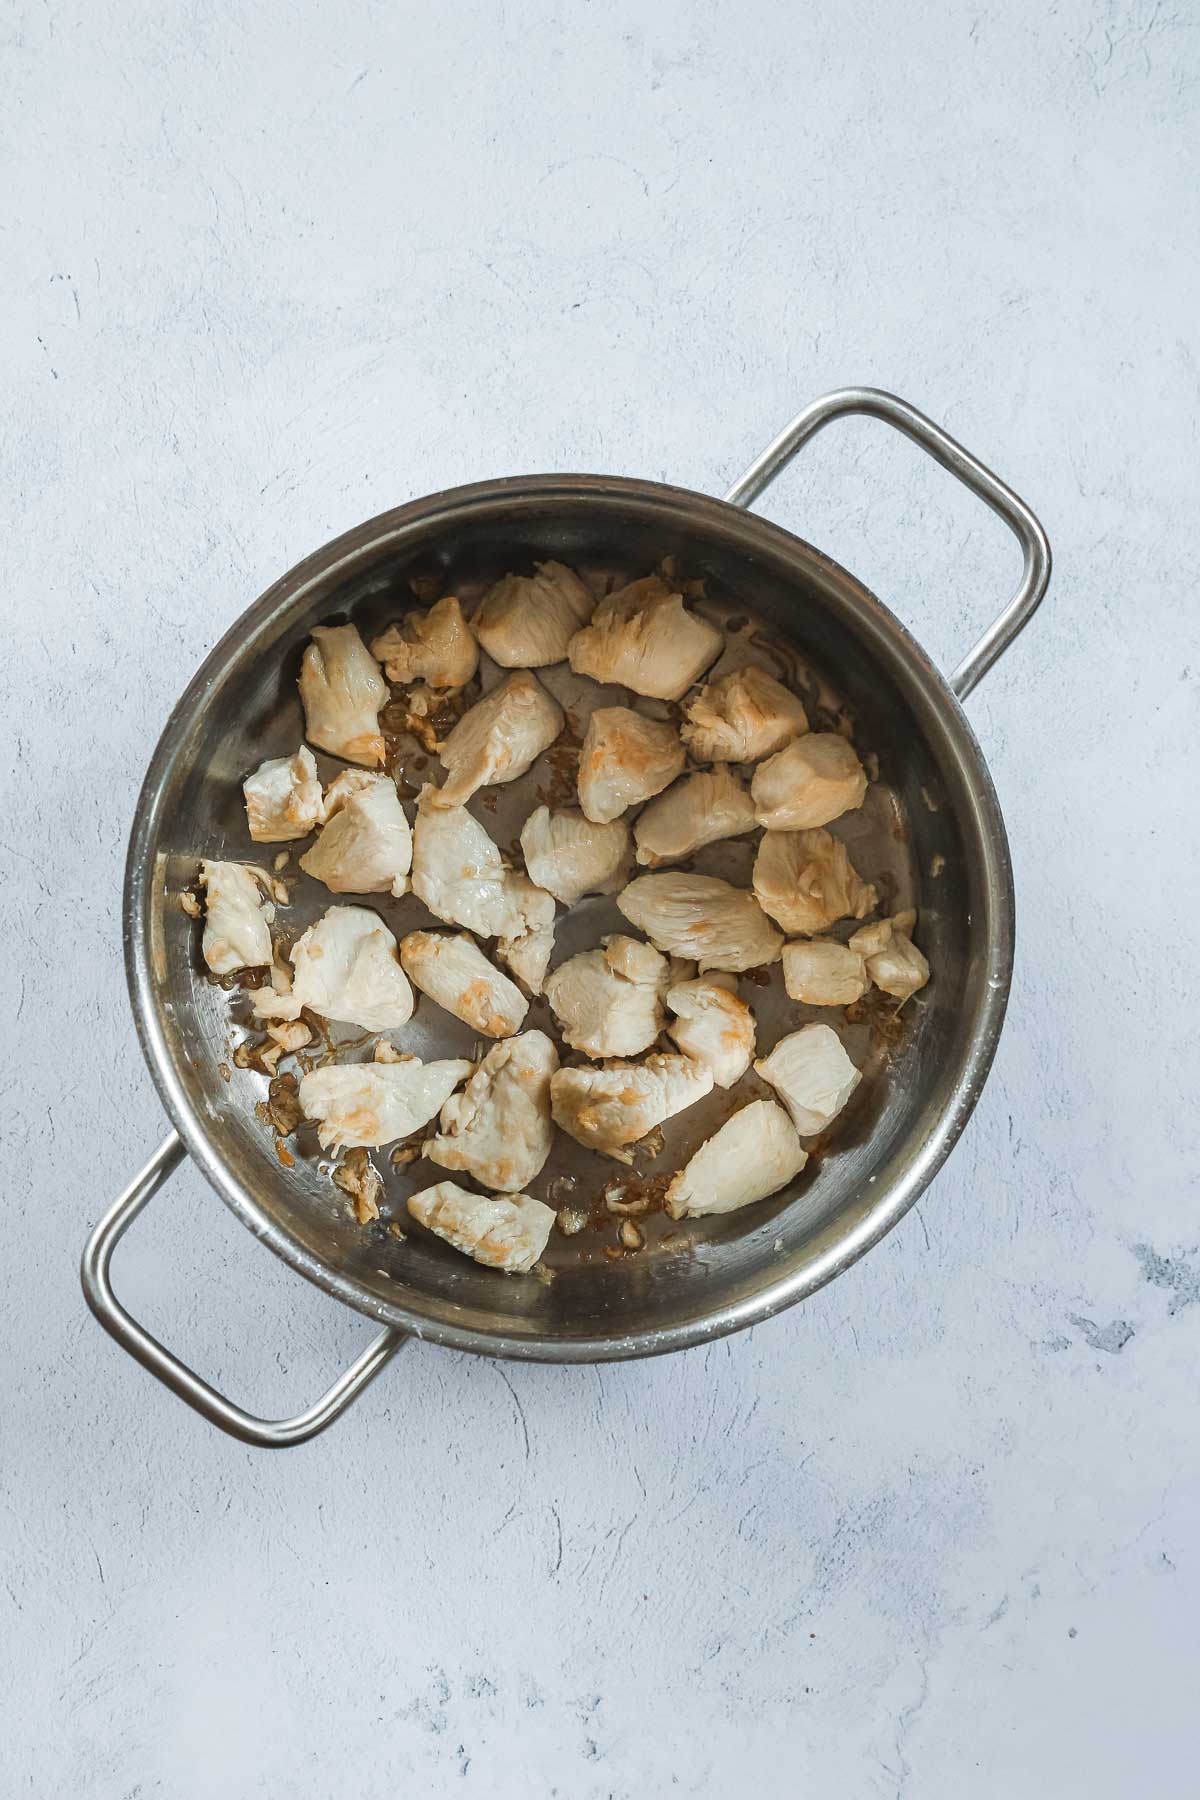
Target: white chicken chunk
x=806, y=881
x=702, y=917
x=528, y=954
x=699, y=810
x=643, y=637
x=462, y=878
x=342, y=691
x=624, y=760
x=363, y=1105
x=283, y=798
x=437, y=647
x=458, y=871
x=611, y=1108
x=753, y=1155
x=609, y=1002
x=823, y=973
x=569, y=855
x=365, y=846
x=893, y=961
x=499, y=1127
x=812, y=1075
x=344, y=967
x=741, y=718
x=812, y=781
x=713, y=1026
x=498, y=738
x=237, y=916
x=450, y=967
x=527, y=621
x=508, y=1234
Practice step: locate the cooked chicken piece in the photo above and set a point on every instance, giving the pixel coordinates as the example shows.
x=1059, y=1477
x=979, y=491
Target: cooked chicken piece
x=459, y=872
x=289, y=1037
x=498, y=738
x=365, y=846
x=450, y=967
x=812, y=781
x=527, y=621
x=812, y=1075
x=461, y=876
x=698, y=810
x=363, y=1105
x=499, y=1128
x=822, y=973
x=342, y=691
x=609, y=1109
x=437, y=646
x=624, y=760
x=528, y=957
x=571, y=856
x=702, y=917
x=893, y=961
x=345, y=967
x=713, y=1026
x=528, y=953
x=805, y=879
x=508, y=1234
x=609, y=1001
x=741, y=718
x=644, y=638
x=236, y=916
x=283, y=798
x=753, y=1155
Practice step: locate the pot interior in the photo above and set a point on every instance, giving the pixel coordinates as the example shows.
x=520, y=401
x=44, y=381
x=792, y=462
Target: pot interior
x=930, y=834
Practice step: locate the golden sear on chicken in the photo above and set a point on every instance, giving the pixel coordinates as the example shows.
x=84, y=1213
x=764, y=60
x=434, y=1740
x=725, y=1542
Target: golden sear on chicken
x=283, y=798
x=643, y=637
x=364, y=1105
x=342, y=691
x=701, y=809
x=893, y=961
x=436, y=646
x=806, y=881
x=712, y=1025
x=610, y=1108
x=508, y=1234
x=450, y=967
x=811, y=782
x=742, y=717
x=527, y=621
x=626, y=758
x=499, y=1129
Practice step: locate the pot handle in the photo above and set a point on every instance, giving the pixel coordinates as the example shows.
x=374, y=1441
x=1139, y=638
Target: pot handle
x=876, y=404
x=264, y=1434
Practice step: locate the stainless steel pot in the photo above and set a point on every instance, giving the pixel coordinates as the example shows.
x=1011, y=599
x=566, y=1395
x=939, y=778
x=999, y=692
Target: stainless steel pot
x=241, y=706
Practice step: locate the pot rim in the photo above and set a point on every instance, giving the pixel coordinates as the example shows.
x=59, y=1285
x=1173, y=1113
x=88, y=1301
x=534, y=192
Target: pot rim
x=355, y=546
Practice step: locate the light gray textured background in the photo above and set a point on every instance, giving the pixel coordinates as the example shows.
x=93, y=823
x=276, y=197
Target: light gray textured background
x=268, y=269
